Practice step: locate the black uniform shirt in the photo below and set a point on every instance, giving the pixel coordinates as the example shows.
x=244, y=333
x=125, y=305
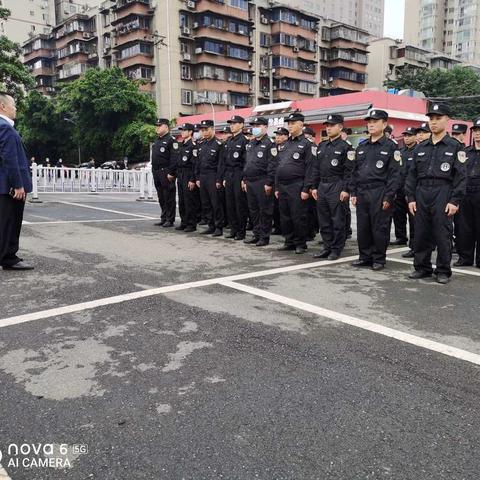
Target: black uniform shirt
x=235, y=152
x=444, y=160
x=473, y=166
x=187, y=157
x=407, y=162
x=295, y=160
x=261, y=160
x=165, y=154
x=209, y=159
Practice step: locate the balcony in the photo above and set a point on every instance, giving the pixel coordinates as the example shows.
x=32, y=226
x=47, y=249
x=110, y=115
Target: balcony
x=69, y=72
x=40, y=53
x=222, y=9
x=125, y=8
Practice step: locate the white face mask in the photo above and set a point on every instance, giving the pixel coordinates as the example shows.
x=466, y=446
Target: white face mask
x=197, y=135
x=256, y=131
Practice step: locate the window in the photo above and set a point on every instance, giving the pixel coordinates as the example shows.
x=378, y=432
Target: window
x=238, y=76
x=186, y=97
x=213, y=47
x=265, y=40
x=237, y=52
x=186, y=72
x=306, y=87
x=239, y=100
x=243, y=4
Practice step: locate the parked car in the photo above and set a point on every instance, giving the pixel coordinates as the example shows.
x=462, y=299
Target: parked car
x=112, y=165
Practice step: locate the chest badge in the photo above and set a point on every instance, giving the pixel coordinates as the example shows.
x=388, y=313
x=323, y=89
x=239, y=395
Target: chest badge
x=379, y=164
x=351, y=155
x=260, y=154
x=184, y=158
x=296, y=155
x=162, y=149
x=334, y=163
x=445, y=167
x=236, y=154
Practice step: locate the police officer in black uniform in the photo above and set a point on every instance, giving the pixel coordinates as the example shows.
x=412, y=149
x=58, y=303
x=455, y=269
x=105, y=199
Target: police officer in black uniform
x=400, y=207
x=331, y=178
x=236, y=199
x=164, y=166
x=468, y=217
x=312, y=216
x=375, y=181
x=292, y=189
x=435, y=187
x=281, y=136
x=458, y=132
x=423, y=132
x=209, y=175
x=188, y=194
x=258, y=180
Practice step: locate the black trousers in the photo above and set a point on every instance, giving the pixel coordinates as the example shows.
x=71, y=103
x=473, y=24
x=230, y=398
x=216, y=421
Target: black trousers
x=312, y=218
x=11, y=217
x=468, y=227
x=400, y=215
x=433, y=227
x=348, y=217
x=236, y=199
x=166, y=192
x=188, y=200
x=276, y=215
x=261, y=208
x=373, y=225
x=293, y=214
x=211, y=200
x=331, y=216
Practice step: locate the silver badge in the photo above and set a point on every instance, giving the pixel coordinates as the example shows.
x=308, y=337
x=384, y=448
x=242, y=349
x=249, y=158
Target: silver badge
x=162, y=149
x=445, y=167
x=260, y=154
x=379, y=164
x=175, y=145
x=274, y=152
x=462, y=157
x=334, y=163
x=236, y=154
x=296, y=155
x=351, y=155
x=184, y=158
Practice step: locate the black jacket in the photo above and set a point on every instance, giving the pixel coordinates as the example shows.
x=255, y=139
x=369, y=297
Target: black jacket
x=165, y=154
x=261, y=160
x=210, y=159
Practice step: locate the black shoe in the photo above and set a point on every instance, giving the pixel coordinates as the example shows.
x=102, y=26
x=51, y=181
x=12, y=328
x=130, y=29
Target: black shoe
x=217, y=233
x=251, y=241
x=349, y=236
x=285, y=248
x=202, y=222
x=208, y=231
x=300, y=250
x=442, y=278
x=262, y=243
x=399, y=241
x=18, y=266
x=180, y=227
x=230, y=235
x=409, y=254
x=160, y=223
x=190, y=229
x=376, y=267
x=361, y=263
x=418, y=274
x=249, y=226
x=276, y=231
x=322, y=254
x=311, y=238
x=167, y=225
x=333, y=256
x=462, y=263
x=240, y=236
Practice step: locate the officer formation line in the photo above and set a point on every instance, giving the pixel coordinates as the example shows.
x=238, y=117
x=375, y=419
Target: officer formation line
x=291, y=186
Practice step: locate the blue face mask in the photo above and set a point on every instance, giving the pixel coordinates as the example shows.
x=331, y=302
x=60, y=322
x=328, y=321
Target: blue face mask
x=256, y=131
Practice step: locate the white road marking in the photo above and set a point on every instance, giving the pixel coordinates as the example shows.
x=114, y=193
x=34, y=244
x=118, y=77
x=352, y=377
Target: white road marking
x=3, y=474
x=357, y=322
x=456, y=270
x=106, y=210
x=61, y=222
x=25, y=222
x=78, y=307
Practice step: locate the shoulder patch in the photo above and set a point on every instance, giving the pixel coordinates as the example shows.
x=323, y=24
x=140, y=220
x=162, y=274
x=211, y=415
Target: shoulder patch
x=274, y=152
x=314, y=149
x=351, y=155
x=175, y=145
x=397, y=155
x=462, y=156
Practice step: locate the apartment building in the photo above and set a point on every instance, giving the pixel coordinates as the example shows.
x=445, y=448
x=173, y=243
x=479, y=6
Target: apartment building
x=197, y=55
x=448, y=26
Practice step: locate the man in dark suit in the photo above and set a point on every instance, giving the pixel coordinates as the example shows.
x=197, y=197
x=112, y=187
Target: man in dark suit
x=15, y=183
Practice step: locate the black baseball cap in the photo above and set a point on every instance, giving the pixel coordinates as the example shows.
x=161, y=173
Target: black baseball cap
x=388, y=129
x=281, y=131
x=236, y=119
x=258, y=121
x=476, y=123
x=206, y=124
x=295, y=117
x=438, y=109
x=375, y=114
x=459, y=128
x=334, y=119
x=162, y=121
x=309, y=131
x=247, y=131
x=226, y=129
x=424, y=127
x=187, y=126
x=409, y=131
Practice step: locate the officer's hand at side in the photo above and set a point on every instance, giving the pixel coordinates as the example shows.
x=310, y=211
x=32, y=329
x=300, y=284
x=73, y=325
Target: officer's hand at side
x=344, y=196
x=386, y=205
x=277, y=194
x=224, y=183
x=170, y=178
x=451, y=209
x=304, y=196
x=268, y=190
x=412, y=206
x=219, y=185
x=19, y=194
x=315, y=194
x=198, y=183
x=354, y=201
x=244, y=186
x=191, y=185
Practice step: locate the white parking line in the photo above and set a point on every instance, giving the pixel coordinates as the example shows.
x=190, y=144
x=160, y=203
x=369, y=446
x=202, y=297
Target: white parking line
x=79, y=307
x=456, y=270
x=359, y=323
x=106, y=210
x=60, y=222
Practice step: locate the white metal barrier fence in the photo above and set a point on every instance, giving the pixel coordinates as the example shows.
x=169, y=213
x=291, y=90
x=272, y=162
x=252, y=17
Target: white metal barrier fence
x=91, y=180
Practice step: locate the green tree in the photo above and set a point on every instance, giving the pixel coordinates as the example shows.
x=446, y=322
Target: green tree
x=103, y=104
x=460, y=87
x=14, y=76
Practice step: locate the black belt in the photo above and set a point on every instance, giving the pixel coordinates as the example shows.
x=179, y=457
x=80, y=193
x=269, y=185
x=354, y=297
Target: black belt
x=255, y=179
x=432, y=182
x=282, y=181
x=371, y=185
x=332, y=179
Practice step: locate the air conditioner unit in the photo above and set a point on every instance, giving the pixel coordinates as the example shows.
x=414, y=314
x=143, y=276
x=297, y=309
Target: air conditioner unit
x=324, y=82
x=87, y=35
x=186, y=31
x=153, y=79
x=297, y=23
x=195, y=24
x=275, y=88
x=264, y=20
x=191, y=4
x=198, y=50
x=187, y=56
x=296, y=49
x=330, y=79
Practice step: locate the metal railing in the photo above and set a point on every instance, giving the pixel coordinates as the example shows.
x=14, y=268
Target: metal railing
x=91, y=180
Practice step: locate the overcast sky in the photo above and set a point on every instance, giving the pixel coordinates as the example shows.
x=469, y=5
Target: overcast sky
x=394, y=15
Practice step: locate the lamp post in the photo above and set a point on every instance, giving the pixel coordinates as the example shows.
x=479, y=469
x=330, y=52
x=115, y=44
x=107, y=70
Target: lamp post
x=69, y=120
